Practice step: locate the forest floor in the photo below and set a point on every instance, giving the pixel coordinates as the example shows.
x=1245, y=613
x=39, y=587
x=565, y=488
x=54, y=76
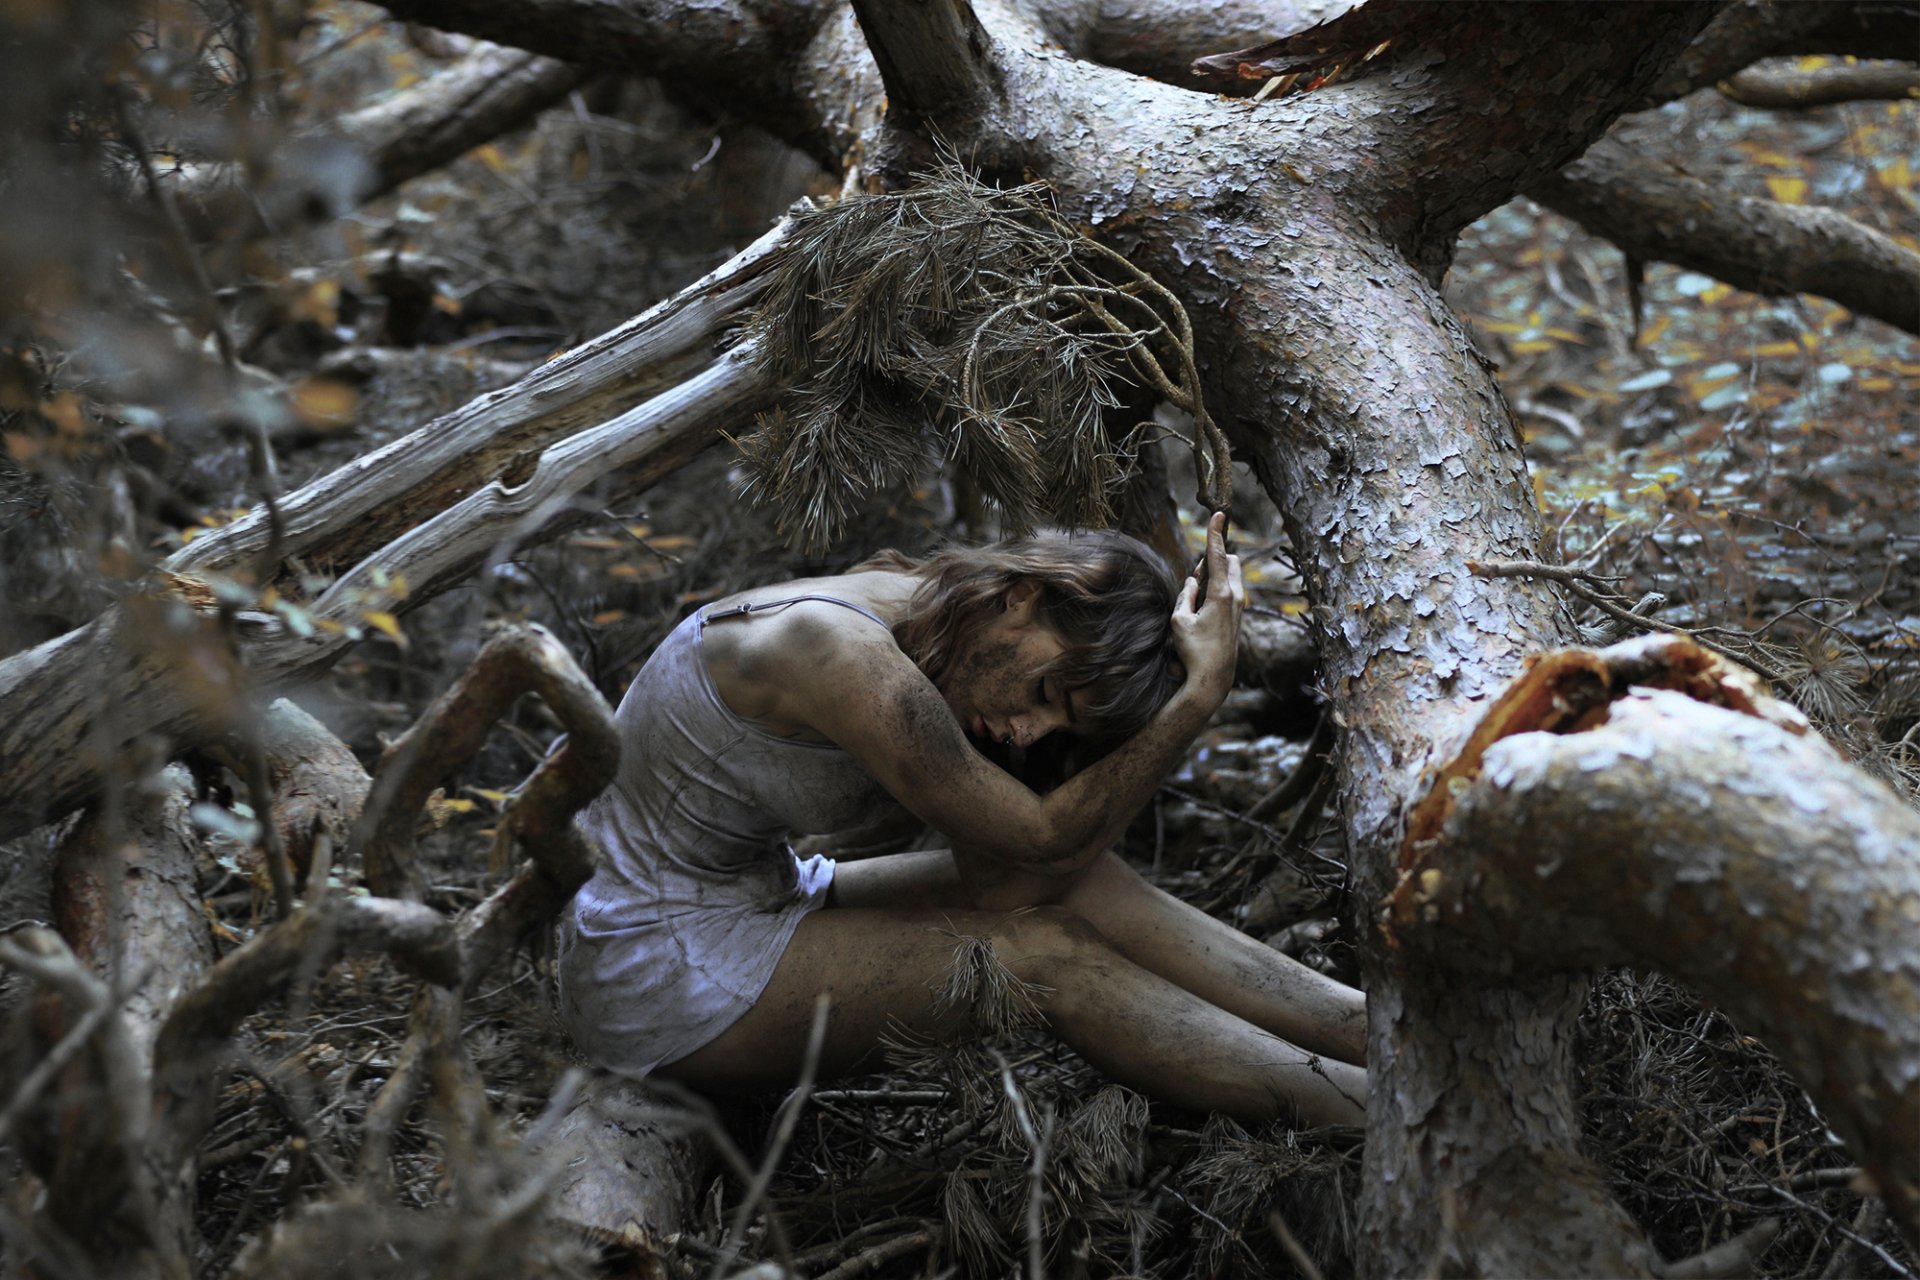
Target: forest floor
x=1753, y=461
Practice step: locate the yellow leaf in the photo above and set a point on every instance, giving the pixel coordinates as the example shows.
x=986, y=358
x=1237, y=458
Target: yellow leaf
x=384, y=622
x=607, y=617
x=1897, y=176
x=490, y=156
x=497, y=797
x=1787, y=190
x=445, y=305
x=319, y=302
x=325, y=404
x=1531, y=346
x=1653, y=332
x=458, y=805
x=1715, y=292
x=1760, y=155
x=1777, y=349
x=1875, y=384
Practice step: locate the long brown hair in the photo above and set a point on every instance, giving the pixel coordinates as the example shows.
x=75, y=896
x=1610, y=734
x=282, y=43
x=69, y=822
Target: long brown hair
x=1109, y=596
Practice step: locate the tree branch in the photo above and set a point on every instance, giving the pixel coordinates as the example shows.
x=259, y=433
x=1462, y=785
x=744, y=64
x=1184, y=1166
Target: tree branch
x=1791, y=89
x=1758, y=245
x=1648, y=805
x=486, y=94
x=192, y=1050
x=935, y=58
x=408, y=519
x=1745, y=32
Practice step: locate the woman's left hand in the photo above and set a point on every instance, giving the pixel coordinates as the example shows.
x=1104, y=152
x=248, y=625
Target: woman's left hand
x=1206, y=621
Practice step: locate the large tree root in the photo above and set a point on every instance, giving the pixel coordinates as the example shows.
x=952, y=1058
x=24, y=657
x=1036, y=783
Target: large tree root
x=1654, y=213
x=1649, y=804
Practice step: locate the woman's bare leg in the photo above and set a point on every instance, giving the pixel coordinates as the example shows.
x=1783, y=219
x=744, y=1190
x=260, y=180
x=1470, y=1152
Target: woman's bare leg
x=881, y=968
x=1150, y=927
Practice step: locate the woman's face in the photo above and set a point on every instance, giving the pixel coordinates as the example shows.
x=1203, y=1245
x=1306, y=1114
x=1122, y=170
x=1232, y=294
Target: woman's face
x=995, y=685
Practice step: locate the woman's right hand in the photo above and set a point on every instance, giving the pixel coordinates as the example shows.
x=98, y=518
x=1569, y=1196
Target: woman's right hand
x=1206, y=621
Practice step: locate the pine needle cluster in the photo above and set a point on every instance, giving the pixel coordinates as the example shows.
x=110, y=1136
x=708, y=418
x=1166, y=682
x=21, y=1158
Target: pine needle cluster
x=966, y=325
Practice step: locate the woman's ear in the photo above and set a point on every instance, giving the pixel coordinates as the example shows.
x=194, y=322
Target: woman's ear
x=1022, y=600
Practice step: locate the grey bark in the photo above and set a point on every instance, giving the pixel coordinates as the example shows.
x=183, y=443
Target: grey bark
x=396, y=526
x=1725, y=845
x=489, y=92
x=1654, y=211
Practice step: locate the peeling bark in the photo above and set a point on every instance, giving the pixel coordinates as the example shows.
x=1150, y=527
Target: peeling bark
x=1648, y=805
x=125, y=898
x=1758, y=245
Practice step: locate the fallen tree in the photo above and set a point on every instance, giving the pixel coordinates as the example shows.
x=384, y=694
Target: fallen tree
x=1306, y=237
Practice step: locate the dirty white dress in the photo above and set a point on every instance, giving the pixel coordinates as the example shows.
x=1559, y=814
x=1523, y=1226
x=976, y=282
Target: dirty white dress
x=698, y=891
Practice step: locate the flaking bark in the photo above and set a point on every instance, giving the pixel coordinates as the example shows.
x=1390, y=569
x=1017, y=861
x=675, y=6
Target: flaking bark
x=1649, y=808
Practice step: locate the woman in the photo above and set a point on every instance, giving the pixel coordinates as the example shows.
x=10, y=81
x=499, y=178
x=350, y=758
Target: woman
x=700, y=946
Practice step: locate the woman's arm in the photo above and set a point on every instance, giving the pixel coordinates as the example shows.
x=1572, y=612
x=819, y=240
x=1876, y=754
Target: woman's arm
x=900, y=728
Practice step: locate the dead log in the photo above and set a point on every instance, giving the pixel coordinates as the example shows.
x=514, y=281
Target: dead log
x=1650, y=805
x=78, y=1114
x=126, y=900
x=631, y=1165
x=367, y=153
x=1656, y=212
x=396, y=526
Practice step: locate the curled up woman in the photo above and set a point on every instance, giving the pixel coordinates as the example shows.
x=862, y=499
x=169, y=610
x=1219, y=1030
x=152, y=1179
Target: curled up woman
x=699, y=947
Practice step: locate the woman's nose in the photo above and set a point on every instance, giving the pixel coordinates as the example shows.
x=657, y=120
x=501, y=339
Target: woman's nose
x=1030, y=727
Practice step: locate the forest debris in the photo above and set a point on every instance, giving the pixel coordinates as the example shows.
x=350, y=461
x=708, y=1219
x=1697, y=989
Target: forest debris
x=975, y=324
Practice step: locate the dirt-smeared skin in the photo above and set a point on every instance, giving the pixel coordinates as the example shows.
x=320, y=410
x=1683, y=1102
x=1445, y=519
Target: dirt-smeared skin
x=817, y=669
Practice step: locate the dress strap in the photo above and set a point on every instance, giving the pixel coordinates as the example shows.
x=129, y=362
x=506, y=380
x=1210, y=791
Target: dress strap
x=761, y=606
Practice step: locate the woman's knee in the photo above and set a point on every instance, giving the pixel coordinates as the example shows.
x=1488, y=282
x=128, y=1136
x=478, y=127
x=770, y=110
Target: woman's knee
x=1046, y=945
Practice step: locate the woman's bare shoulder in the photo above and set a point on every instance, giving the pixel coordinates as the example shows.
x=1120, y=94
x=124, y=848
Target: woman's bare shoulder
x=757, y=655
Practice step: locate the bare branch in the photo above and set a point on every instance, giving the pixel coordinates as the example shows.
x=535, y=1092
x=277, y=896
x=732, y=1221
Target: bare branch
x=193, y=1047
x=1743, y=33
x=1653, y=212
x=934, y=56
x=1792, y=89
x=500, y=467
